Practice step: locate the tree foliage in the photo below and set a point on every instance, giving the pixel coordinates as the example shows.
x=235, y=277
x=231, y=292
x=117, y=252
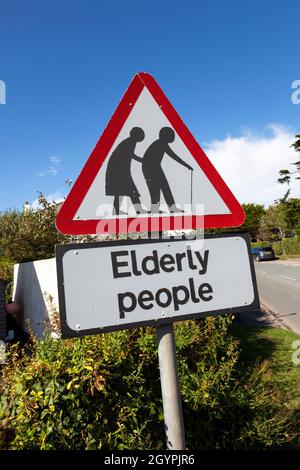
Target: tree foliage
x=297, y=230
x=292, y=211
x=32, y=235
x=275, y=219
x=287, y=175
x=279, y=219
x=254, y=214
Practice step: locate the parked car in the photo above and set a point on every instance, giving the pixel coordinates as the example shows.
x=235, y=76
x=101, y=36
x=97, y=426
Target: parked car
x=263, y=253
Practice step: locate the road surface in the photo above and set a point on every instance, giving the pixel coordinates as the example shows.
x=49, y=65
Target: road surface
x=279, y=289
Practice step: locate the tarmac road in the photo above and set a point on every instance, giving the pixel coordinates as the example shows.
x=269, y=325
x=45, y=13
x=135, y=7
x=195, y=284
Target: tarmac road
x=279, y=289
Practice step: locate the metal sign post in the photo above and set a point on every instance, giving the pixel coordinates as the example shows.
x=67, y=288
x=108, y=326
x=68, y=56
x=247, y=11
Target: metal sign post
x=170, y=389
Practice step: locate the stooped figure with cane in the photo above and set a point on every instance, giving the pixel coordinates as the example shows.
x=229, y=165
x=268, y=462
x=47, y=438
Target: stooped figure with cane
x=154, y=175
x=119, y=181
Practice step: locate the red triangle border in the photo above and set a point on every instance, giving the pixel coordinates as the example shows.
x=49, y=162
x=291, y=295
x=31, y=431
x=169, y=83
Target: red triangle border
x=65, y=222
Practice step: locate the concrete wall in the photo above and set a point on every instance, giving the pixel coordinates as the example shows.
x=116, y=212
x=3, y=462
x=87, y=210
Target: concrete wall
x=35, y=290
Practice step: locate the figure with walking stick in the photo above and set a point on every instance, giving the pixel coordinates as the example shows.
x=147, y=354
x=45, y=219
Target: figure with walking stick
x=154, y=175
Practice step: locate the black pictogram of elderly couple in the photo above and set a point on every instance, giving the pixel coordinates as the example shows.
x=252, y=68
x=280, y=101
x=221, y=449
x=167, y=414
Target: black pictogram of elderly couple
x=119, y=181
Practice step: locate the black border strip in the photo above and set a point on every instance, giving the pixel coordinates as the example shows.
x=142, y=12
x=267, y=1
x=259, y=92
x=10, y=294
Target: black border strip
x=67, y=332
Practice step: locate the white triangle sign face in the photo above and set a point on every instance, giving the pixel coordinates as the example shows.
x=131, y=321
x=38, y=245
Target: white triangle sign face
x=147, y=173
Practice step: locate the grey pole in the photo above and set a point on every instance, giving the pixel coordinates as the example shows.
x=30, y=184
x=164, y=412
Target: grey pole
x=170, y=387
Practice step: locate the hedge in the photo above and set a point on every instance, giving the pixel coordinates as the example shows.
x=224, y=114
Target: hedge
x=287, y=246
x=6, y=273
x=277, y=247
x=103, y=392
x=6, y=269
x=291, y=246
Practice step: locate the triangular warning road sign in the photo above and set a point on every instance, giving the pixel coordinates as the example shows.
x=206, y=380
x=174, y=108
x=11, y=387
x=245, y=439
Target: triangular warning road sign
x=147, y=173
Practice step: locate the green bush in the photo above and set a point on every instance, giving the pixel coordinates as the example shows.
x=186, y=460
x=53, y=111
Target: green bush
x=32, y=235
x=291, y=246
x=297, y=229
x=287, y=246
x=6, y=270
x=6, y=273
x=257, y=244
x=103, y=392
x=277, y=247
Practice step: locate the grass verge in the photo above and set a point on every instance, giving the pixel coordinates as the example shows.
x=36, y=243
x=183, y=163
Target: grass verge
x=275, y=346
x=287, y=257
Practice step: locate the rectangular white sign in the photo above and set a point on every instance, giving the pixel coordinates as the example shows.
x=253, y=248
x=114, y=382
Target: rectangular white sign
x=107, y=286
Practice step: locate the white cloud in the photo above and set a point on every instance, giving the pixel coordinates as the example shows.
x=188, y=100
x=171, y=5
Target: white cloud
x=54, y=167
x=249, y=164
x=55, y=160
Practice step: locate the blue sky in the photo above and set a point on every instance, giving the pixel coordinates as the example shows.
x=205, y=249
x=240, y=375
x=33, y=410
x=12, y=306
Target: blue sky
x=227, y=67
